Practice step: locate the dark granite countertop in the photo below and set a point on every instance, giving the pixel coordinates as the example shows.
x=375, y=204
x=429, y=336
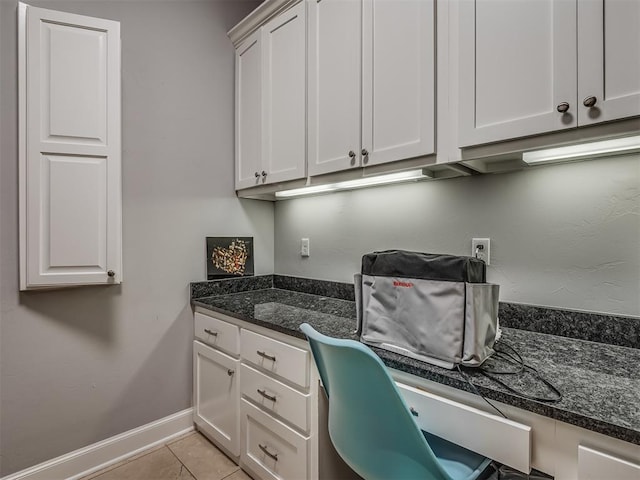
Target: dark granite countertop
x=600, y=383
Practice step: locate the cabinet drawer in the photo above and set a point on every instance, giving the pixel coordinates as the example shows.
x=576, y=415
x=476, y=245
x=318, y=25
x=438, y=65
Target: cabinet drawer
x=287, y=361
x=595, y=465
x=217, y=333
x=269, y=448
x=503, y=440
x=276, y=397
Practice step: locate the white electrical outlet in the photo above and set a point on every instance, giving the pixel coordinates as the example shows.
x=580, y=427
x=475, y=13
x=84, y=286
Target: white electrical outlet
x=481, y=248
x=304, y=247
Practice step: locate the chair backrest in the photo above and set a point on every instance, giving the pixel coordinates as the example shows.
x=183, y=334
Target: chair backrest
x=370, y=425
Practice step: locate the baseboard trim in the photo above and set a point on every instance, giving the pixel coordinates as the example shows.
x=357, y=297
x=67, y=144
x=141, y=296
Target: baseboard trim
x=92, y=458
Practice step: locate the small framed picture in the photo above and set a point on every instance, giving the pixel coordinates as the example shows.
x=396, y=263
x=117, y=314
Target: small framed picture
x=229, y=257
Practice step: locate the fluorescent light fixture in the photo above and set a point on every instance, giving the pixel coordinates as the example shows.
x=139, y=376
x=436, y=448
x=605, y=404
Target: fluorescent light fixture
x=583, y=150
x=354, y=184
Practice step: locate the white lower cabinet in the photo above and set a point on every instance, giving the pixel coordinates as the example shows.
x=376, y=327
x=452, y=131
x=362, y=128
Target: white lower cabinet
x=216, y=396
x=258, y=401
x=255, y=396
x=270, y=449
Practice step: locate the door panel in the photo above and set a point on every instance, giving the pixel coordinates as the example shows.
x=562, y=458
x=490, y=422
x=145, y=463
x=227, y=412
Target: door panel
x=74, y=216
x=75, y=102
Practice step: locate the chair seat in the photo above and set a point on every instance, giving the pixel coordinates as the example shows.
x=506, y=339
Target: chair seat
x=459, y=463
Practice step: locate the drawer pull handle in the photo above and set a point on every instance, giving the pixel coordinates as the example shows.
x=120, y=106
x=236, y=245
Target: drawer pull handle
x=210, y=332
x=230, y=372
x=414, y=412
x=268, y=453
x=267, y=396
x=264, y=355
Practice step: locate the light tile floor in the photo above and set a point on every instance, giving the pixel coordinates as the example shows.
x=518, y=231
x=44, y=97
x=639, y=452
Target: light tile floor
x=190, y=457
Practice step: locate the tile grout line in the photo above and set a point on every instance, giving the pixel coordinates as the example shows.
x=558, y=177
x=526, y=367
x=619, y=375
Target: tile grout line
x=180, y=461
x=233, y=473
x=110, y=468
x=187, y=468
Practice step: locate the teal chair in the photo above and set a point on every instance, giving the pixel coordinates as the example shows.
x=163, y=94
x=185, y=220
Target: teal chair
x=371, y=426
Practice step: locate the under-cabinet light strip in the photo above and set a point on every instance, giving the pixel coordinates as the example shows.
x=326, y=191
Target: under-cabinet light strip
x=354, y=184
x=583, y=150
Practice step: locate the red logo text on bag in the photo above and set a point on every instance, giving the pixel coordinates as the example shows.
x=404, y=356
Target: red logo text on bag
x=397, y=283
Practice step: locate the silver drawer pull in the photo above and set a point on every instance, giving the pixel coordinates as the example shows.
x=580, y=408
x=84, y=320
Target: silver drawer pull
x=268, y=453
x=267, y=396
x=264, y=355
x=210, y=332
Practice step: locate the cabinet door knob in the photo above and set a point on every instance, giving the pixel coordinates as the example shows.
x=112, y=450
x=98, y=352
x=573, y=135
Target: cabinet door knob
x=365, y=152
x=257, y=175
x=111, y=273
x=230, y=372
x=590, y=101
x=264, y=174
x=352, y=154
x=563, y=107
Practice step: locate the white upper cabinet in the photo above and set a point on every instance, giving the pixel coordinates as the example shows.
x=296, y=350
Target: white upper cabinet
x=271, y=101
x=70, y=149
x=284, y=112
x=398, y=90
x=249, y=112
x=530, y=67
x=371, y=82
x=517, y=68
x=335, y=36
x=608, y=60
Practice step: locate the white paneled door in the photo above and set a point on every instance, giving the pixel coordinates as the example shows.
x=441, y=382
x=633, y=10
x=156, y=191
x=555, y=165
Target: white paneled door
x=70, y=149
x=284, y=113
x=248, y=112
x=335, y=38
x=398, y=80
x=215, y=383
x=517, y=68
x=608, y=60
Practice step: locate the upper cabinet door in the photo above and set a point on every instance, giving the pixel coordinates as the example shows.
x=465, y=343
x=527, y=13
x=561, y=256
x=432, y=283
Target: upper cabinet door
x=249, y=112
x=284, y=112
x=335, y=35
x=608, y=60
x=398, y=83
x=70, y=155
x=517, y=68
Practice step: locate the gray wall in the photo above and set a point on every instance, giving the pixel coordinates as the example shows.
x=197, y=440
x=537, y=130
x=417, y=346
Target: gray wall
x=81, y=365
x=563, y=235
